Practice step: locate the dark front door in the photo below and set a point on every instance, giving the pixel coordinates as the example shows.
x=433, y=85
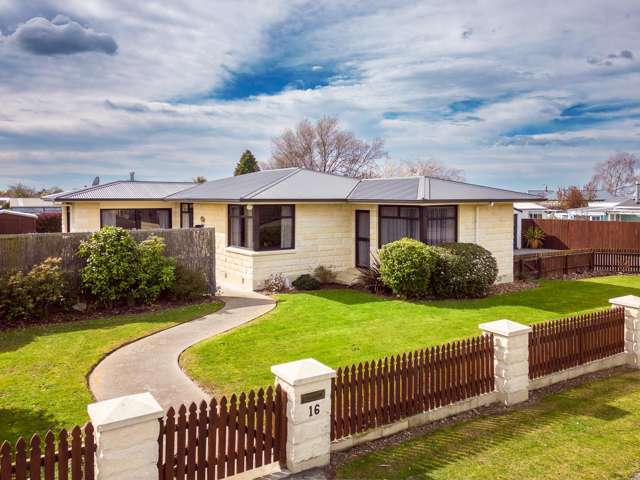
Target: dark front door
x=363, y=243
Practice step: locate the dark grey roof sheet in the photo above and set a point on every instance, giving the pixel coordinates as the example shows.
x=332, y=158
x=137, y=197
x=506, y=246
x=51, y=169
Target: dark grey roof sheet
x=387, y=189
x=125, y=190
x=308, y=185
x=233, y=188
x=297, y=184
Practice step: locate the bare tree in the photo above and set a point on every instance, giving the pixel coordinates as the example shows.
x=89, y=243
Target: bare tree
x=324, y=147
x=617, y=174
x=200, y=179
x=428, y=168
x=571, y=197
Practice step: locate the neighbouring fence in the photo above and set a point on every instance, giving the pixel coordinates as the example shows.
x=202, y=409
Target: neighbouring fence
x=374, y=394
x=67, y=457
x=562, y=344
x=576, y=234
x=223, y=438
x=564, y=262
x=193, y=248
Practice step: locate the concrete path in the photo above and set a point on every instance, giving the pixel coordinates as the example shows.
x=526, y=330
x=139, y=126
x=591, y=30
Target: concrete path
x=151, y=364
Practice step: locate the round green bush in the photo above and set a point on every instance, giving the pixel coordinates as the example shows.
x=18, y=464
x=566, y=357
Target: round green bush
x=463, y=270
x=406, y=266
x=306, y=282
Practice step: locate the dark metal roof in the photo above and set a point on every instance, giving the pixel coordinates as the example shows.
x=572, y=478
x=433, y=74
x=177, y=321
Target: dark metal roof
x=297, y=184
x=233, y=188
x=124, y=190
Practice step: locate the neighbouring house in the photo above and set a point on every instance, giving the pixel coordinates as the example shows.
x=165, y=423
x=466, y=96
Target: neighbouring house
x=292, y=220
x=525, y=210
x=17, y=222
x=32, y=205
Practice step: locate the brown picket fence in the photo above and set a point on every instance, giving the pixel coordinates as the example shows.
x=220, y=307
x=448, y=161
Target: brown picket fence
x=223, y=438
x=67, y=457
x=627, y=261
x=561, y=344
x=373, y=394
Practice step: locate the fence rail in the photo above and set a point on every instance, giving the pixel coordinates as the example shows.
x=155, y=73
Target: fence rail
x=373, y=394
x=223, y=438
x=563, y=262
x=70, y=457
x=562, y=344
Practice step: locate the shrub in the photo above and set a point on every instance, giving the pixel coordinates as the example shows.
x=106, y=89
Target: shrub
x=406, y=266
x=155, y=272
x=110, y=274
x=324, y=274
x=306, y=282
x=30, y=297
x=275, y=283
x=49, y=222
x=189, y=285
x=370, y=278
x=463, y=270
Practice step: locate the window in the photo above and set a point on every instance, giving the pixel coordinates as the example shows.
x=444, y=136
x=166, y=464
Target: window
x=136, y=218
x=440, y=224
x=399, y=222
x=432, y=225
x=263, y=227
x=239, y=220
x=186, y=215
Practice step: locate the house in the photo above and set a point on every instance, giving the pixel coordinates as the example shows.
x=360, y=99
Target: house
x=32, y=205
x=17, y=222
x=292, y=220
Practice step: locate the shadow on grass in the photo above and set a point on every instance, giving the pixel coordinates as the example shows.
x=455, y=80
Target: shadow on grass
x=16, y=422
x=559, y=297
x=14, y=339
x=422, y=456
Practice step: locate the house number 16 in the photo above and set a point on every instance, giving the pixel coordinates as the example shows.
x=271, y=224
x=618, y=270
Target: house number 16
x=314, y=410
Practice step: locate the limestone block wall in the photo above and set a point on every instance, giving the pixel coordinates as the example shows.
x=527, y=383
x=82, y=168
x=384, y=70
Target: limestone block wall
x=492, y=228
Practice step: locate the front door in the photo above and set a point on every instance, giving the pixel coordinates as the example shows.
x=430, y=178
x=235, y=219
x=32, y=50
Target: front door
x=362, y=239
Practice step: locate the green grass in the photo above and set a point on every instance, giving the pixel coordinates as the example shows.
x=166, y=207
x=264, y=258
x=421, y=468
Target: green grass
x=43, y=368
x=588, y=432
x=339, y=327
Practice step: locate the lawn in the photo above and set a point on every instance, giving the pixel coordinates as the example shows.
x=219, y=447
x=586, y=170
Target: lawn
x=43, y=368
x=339, y=327
x=587, y=432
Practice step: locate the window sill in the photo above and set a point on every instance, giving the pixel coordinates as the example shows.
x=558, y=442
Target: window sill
x=253, y=253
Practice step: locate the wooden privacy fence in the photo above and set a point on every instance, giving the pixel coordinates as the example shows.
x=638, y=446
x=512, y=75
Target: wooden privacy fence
x=193, y=248
x=564, y=262
x=575, y=234
x=70, y=457
x=373, y=394
x=562, y=344
x=223, y=438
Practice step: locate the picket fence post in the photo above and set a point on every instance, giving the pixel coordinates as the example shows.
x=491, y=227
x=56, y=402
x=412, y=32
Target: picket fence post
x=631, y=305
x=127, y=431
x=511, y=359
x=307, y=384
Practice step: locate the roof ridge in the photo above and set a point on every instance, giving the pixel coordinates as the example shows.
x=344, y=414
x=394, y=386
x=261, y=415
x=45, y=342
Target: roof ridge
x=272, y=184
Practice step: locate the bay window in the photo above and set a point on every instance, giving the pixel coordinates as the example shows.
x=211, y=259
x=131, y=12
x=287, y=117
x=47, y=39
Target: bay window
x=262, y=227
x=431, y=225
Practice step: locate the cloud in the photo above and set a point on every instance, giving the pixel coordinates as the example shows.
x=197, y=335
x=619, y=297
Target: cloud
x=61, y=36
x=624, y=54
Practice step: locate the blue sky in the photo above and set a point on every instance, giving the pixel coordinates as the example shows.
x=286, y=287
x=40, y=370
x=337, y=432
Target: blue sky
x=517, y=94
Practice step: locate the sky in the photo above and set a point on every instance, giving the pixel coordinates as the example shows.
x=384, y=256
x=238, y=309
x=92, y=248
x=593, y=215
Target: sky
x=517, y=94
